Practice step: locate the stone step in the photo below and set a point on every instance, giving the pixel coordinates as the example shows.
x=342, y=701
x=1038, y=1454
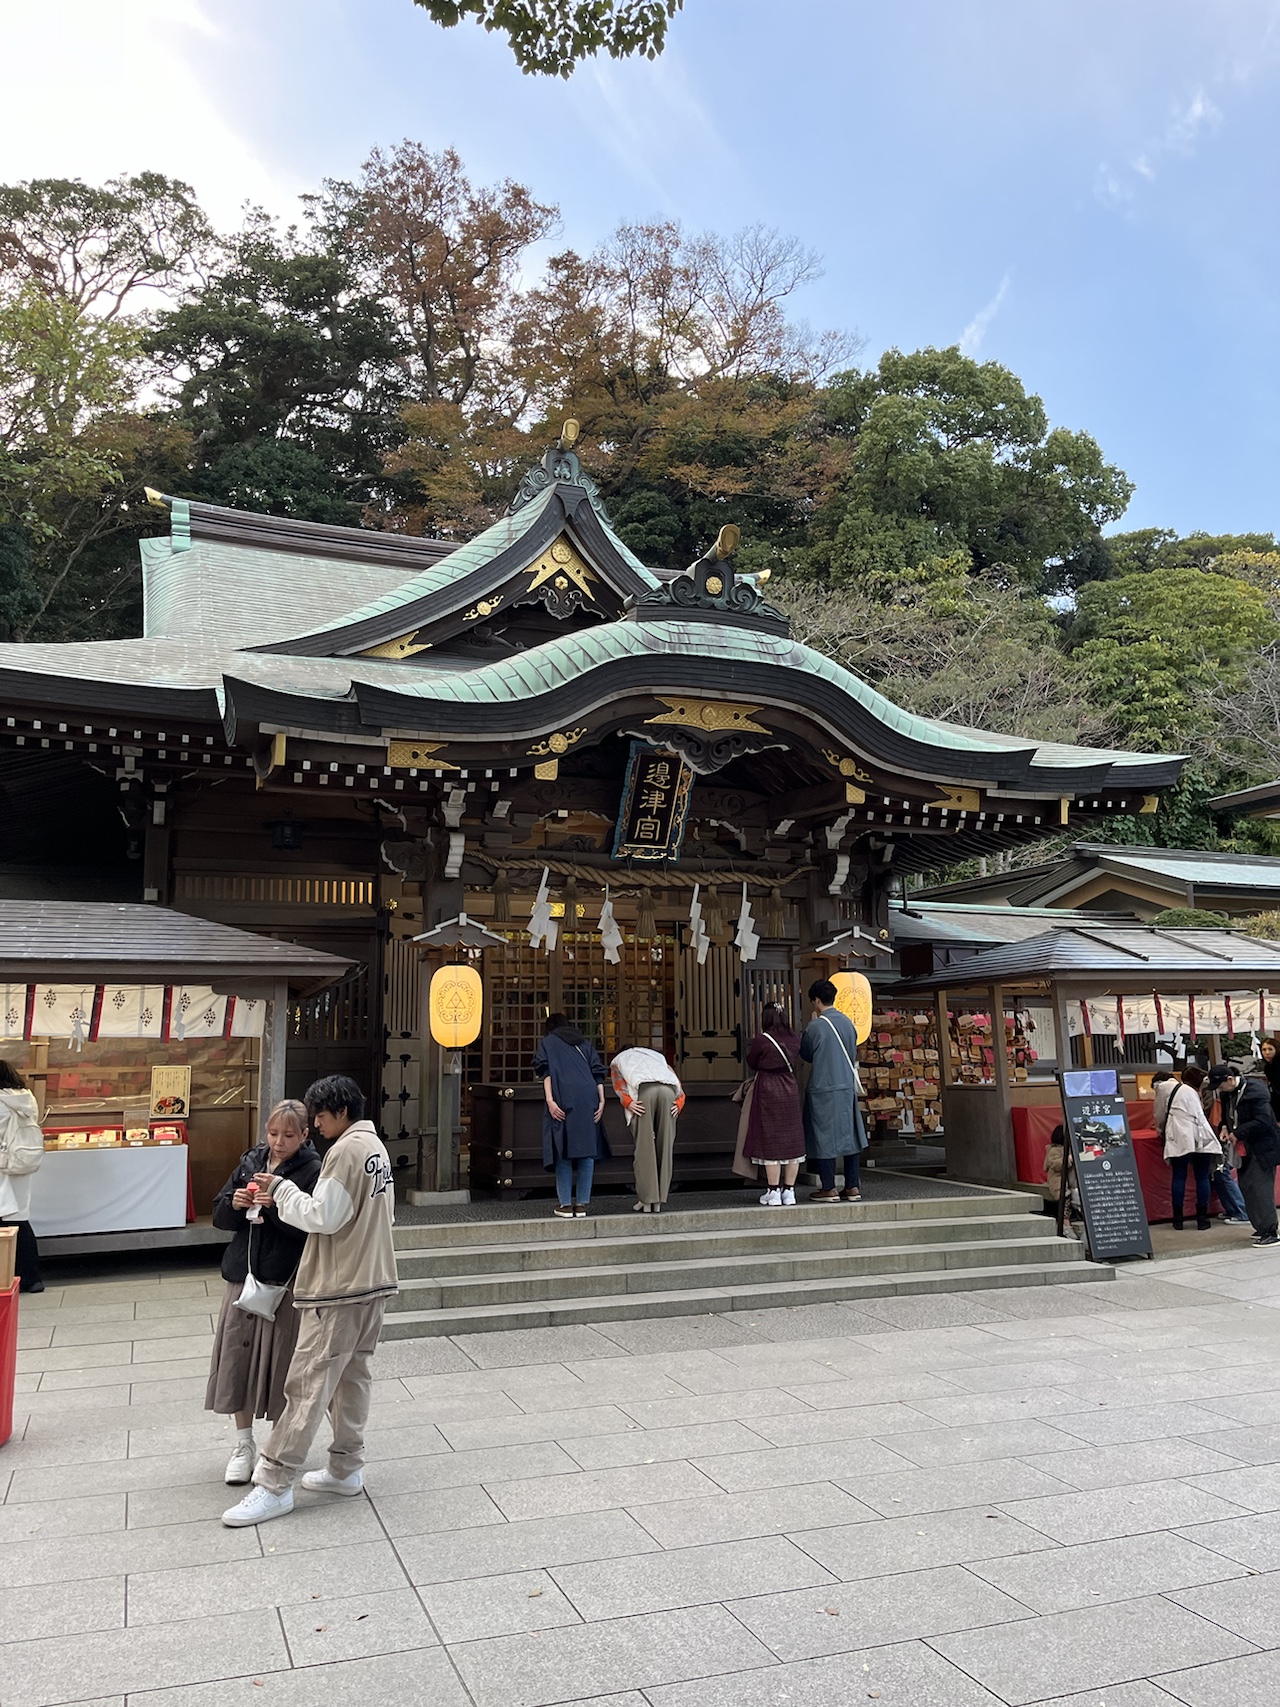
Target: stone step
x=651, y=1239
x=719, y=1300
x=778, y=1271
x=545, y=1227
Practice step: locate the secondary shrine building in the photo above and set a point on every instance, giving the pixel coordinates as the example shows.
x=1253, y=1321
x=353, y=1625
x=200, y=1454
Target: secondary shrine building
x=342, y=738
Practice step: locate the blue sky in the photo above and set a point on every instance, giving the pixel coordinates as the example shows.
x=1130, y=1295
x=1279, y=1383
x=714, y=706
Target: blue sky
x=1082, y=189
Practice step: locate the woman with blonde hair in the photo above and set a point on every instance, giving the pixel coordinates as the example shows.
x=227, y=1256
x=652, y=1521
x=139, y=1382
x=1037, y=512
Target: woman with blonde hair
x=252, y=1350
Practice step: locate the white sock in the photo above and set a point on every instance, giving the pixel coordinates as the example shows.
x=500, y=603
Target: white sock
x=244, y=1436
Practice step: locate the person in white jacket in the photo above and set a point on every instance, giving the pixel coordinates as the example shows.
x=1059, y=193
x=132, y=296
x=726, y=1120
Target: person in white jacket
x=1188, y=1139
x=21, y=1153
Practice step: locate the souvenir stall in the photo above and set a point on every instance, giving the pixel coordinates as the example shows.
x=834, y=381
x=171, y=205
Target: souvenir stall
x=151, y=1041
x=1133, y=997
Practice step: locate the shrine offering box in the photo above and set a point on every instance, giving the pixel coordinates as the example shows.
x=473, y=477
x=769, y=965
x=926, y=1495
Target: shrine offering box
x=8, y=1256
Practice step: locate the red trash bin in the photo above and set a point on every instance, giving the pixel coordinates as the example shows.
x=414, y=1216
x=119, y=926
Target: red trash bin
x=8, y=1358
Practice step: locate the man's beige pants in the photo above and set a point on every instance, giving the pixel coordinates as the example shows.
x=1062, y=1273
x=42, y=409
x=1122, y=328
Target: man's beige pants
x=655, y=1131
x=330, y=1372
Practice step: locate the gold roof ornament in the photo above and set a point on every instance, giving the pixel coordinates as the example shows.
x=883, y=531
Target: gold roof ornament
x=708, y=714
x=727, y=541
x=569, y=433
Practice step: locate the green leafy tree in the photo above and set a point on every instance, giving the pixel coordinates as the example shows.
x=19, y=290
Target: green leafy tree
x=286, y=371
x=1202, y=918
x=946, y=454
x=552, y=36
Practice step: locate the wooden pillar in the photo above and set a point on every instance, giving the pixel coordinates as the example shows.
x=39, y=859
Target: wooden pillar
x=944, y=1037
x=271, y=1062
x=1059, y=1000
x=1000, y=1050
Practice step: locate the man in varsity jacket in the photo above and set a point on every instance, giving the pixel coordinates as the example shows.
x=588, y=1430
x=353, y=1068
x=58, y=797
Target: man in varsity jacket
x=347, y=1273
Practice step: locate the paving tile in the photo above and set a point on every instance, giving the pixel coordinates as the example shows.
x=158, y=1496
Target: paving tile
x=1106, y=1513
x=689, y=1576
x=467, y=1469
x=33, y=1339
x=70, y=1668
x=1071, y=1651
x=1102, y=1466
x=1123, y=1425
x=839, y=1618
x=27, y=1614
x=1259, y=1445
x=1065, y=1578
x=539, y=1544
x=95, y=1333
x=113, y=1353
x=70, y=1558
x=932, y=1310
x=319, y=1521
x=1254, y=1408
x=937, y=1447
x=166, y=1350
x=806, y=1427
x=546, y=1425
x=730, y=1517
x=165, y=1597
x=885, y=1389
x=657, y=1445
x=509, y=1605
x=912, y=1543
x=708, y=1372
x=623, y=1653
x=535, y=1345
x=526, y=1385
x=419, y=1357
x=903, y=1492
x=806, y=1321
x=417, y=1440
x=148, y=1439
x=1144, y=1694
x=356, y=1627
x=675, y=1333
x=1251, y=1541
x=598, y=1490
x=905, y=1675
x=440, y=1509
x=962, y=1410
x=1255, y=1487
x=1250, y=1682
x=421, y=1679
x=1250, y=1609
x=119, y=1476
x=46, y=1446
x=743, y=1406
x=1014, y=1376
x=89, y=1514
x=785, y=1466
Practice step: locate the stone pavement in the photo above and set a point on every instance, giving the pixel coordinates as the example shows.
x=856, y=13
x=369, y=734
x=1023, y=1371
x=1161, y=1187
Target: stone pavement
x=1064, y=1494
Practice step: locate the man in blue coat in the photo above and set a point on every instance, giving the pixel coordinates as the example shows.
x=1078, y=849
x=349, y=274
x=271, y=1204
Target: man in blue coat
x=833, y=1127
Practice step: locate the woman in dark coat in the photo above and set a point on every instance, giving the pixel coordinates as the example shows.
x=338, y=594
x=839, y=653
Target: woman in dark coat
x=573, y=1139
x=1270, y=1052
x=251, y=1355
x=775, y=1126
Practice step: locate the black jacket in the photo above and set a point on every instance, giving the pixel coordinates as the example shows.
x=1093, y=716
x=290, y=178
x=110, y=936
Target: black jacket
x=277, y=1249
x=1255, y=1124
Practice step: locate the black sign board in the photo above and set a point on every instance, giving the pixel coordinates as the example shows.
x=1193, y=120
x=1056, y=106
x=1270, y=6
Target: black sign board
x=655, y=805
x=1105, y=1169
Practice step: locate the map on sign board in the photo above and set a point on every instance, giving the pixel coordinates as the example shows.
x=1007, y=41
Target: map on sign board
x=1106, y=1170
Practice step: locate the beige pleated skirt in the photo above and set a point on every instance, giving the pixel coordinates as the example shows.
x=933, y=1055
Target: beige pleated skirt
x=251, y=1358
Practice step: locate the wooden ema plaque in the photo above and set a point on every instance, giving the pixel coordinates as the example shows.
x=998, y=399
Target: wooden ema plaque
x=1100, y=1146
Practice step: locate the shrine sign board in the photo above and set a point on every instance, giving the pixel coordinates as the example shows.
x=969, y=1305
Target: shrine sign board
x=655, y=805
x=1101, y=1146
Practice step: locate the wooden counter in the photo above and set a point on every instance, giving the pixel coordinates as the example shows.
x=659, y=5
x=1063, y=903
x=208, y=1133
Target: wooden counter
x=506, y=1139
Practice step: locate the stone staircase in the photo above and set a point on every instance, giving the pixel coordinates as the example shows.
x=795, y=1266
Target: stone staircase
x=477, y=1276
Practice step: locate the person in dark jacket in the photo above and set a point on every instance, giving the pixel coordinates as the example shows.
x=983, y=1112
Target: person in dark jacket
x=573, y=1139
x=1270, y=1056
x=251, y=1355
x=1246, y=1107
x=775, y=1125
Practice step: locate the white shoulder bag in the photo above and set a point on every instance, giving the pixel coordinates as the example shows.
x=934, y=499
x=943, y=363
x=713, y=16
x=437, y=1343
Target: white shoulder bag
x=853, y=1066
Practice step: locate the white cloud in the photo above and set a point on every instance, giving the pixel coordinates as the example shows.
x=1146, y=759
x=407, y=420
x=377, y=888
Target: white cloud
x=974, y=334
x=91, y=90
x=1188, y=122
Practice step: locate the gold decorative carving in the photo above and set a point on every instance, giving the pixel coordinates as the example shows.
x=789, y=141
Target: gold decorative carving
x=958, y=800
x=1150, y=804
x=854, y=796
x=846, y=766
x=1064, y=809
x=486, y=607
x=404, y=647
x=547, y=771
x=417, y=755
x=715, y=586
x=560, y=742
x=560, y=558
x=709, y=714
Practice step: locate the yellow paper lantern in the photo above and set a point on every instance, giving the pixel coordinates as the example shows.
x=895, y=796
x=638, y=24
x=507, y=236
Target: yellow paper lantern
x=456, y=1006
x=853, y=998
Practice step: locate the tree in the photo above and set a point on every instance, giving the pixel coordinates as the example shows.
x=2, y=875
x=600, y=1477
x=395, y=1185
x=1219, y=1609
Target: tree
x=1202, y=918
x=552, y=36
x=94, y=247
x=946, y=454
x=286, y=371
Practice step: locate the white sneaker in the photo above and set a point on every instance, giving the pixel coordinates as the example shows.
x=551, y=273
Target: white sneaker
x=240, y=1464
x=772, y=1198
x=260, y=1506
x=323, y=1482
x=788, y=1197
